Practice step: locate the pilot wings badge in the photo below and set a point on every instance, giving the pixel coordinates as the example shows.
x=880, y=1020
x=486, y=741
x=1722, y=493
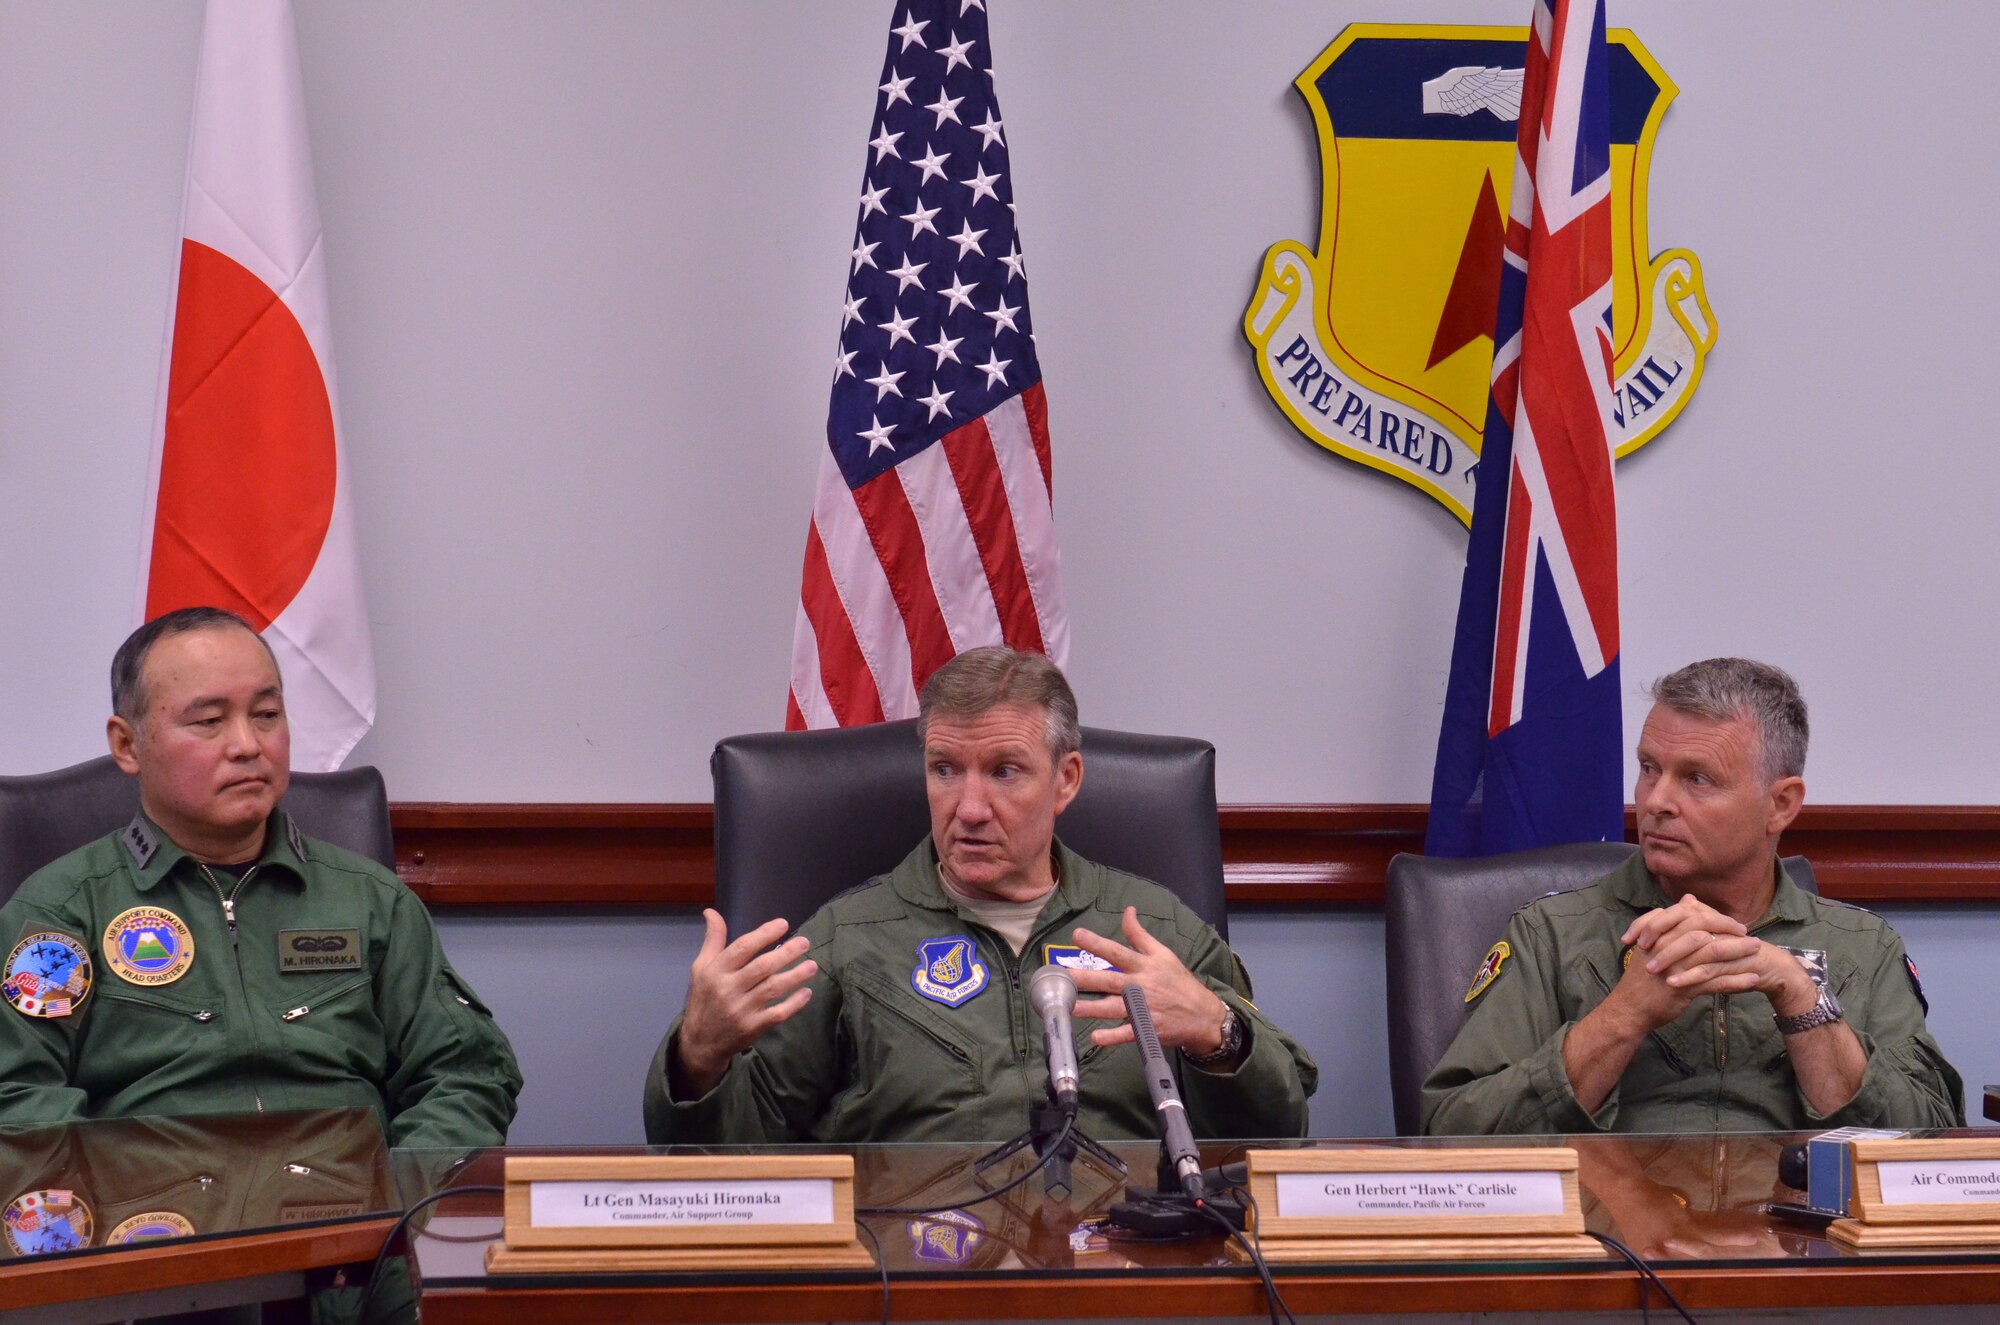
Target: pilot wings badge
x=1379, y=345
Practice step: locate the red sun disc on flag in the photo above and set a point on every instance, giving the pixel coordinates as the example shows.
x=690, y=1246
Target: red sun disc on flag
x=247, y=469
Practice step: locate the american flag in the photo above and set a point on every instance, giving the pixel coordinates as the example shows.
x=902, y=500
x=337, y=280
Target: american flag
x=1531, y=749
x=932, y=530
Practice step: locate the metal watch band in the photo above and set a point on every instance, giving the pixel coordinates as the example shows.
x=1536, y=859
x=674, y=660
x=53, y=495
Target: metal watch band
x=1232, y=1041
x=1826, y=1010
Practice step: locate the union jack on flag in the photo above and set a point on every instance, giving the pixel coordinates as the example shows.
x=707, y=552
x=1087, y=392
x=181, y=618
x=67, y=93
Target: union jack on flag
x=1531, y=748
x=932, y=530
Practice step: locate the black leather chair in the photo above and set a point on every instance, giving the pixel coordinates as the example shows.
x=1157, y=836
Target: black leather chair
x=802, y=816
x=44, y=816
x=1441, y=915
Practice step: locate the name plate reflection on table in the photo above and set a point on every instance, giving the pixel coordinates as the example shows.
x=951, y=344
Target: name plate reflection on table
x=1391, y=1203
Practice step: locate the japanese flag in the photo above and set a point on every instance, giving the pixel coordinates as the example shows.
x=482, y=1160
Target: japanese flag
x=249, y=505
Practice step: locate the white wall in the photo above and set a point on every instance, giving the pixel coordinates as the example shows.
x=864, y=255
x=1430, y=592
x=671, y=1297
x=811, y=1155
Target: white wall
x=585, y=264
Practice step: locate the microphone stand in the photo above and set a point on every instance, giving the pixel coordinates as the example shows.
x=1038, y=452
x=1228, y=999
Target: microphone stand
x=1045, y=1124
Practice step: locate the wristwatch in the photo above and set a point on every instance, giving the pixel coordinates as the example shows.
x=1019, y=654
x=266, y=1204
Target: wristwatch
x=1825, y=1011
x=1232, y=1043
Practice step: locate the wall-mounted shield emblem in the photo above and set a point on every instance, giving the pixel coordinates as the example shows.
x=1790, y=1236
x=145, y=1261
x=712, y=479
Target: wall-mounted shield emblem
x=1379, y=344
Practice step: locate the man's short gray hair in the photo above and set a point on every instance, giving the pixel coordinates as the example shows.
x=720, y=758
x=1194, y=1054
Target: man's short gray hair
x=128, y=667
x=982, y=679
x=1720, y=689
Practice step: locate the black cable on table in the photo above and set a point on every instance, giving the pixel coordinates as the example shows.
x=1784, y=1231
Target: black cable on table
x=382, y=1256
x=881, y=1263
x=1248, y=1241
x=1041, y=1159
x=1646, y=1278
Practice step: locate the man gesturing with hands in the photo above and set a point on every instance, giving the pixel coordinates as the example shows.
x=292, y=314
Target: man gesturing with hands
x=1697, y=987
x=899, y=1011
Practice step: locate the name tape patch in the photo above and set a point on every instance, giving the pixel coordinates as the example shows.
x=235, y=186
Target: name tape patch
x=319, y=950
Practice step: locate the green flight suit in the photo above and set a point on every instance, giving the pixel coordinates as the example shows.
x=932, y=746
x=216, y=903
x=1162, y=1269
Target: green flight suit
x=1722, y=1065
x=380, y=1020
x=872, y=1058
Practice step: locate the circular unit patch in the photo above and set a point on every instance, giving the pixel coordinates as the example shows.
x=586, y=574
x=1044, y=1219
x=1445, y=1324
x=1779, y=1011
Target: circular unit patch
x=47, y=975
x=37, y=1223
x=154, y=1226
x=148, y=946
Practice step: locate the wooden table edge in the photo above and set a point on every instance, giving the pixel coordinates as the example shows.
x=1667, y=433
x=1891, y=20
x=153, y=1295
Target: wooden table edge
x=185, y=1264
x=1112, y=1295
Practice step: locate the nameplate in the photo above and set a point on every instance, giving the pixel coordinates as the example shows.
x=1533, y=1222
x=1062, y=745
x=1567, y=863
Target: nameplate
x=1923, y=1191
x=684, y=1201
x=1423, y=1202
x=681, y=1204
x=1451, y=1193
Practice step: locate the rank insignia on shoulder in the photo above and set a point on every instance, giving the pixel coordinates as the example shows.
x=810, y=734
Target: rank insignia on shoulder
x=1073, y=957
x=1489, y=970
x=47, y=974
x=948, y=970
x=153, y=1226
x=148, y=945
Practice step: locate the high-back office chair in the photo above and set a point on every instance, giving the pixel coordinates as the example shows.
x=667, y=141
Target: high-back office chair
x=44, y=816
x=1441, y=915
x=802, y=816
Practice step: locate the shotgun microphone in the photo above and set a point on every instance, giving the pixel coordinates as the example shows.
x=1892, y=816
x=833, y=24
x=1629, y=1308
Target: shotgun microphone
x=1175, y=1134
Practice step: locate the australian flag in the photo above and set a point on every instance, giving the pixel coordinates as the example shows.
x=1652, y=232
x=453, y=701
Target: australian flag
x=1531, y=752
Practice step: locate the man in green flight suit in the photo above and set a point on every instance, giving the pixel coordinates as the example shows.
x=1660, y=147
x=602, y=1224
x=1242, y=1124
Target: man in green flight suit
x=209, y=957
x=910, y=1020
x=1697, y=987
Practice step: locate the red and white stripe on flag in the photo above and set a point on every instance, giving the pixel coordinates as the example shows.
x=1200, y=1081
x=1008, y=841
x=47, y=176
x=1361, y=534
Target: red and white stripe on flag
x=249, y=506
x=953, y=549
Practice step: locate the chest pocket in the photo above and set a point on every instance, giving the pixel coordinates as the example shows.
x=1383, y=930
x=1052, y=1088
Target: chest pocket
x=333, y=1027
x=130, y=1032
x=907, y=1062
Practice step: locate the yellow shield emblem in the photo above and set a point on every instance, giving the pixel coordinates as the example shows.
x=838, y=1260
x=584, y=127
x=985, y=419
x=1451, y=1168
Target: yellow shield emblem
x=1379, y=344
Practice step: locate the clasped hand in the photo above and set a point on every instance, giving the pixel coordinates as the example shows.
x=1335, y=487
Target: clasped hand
x=1186, y=1013
x=1685, y=951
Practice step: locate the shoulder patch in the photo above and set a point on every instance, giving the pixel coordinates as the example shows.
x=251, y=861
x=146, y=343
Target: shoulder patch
x=1489, y=970
x=47, y=974
x=1916, y=985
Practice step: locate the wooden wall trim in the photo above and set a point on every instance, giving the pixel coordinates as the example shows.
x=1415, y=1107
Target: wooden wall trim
x=582, y=855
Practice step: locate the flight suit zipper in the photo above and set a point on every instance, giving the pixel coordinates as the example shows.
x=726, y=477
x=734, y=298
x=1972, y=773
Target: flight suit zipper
x=228, y=901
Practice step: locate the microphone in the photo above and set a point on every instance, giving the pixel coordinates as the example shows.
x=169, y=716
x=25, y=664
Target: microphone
x=1175, y=1134
x=1052, y=994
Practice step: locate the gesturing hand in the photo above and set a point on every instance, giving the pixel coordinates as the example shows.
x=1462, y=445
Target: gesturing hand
x=1186, y=1012
x=736, y=992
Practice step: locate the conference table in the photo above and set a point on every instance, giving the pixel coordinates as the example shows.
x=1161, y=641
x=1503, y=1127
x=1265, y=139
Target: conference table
x=142, y=1216
x=1694, y=1206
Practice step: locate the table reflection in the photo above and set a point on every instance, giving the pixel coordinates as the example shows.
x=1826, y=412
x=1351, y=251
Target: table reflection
x=109, y=1183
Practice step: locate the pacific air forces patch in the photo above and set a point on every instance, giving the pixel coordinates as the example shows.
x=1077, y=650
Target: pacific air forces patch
x=1379, y=344
x=47, y=974
x=948, y=970
x=1489, y=970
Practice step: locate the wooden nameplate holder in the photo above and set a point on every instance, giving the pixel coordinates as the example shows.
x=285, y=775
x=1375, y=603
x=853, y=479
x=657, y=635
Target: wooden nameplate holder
x=1388, y=1204
x=627, y=1213
x=1922, y=1193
